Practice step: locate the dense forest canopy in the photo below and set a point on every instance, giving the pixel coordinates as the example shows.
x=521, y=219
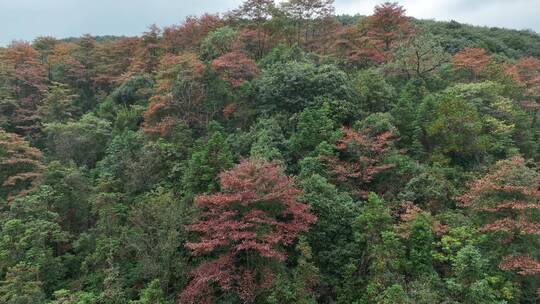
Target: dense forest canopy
x=276, y=153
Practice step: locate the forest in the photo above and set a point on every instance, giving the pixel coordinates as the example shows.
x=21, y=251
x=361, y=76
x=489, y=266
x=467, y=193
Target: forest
x=276, y=153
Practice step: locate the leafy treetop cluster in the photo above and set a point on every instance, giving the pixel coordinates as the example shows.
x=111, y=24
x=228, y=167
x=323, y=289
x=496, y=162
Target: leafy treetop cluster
x=276, y=153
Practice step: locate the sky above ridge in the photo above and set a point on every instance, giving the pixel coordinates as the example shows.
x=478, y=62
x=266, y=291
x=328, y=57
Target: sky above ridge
x=28, y=19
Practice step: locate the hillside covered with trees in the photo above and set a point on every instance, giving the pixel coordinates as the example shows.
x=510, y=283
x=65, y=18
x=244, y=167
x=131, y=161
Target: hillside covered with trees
x=276, y=153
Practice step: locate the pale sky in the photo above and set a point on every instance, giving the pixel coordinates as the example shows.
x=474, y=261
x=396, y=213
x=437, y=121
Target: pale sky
x=27, y=19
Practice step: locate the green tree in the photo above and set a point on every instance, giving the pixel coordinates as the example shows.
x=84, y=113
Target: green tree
x=282, y=54
x=209, y=158
x=298, y=286
x=384, y=255
x=404, y=113
x=292, y=86
x=217, y=43
x=419, y=57
x=31, y=236
x=22, y=286
x=468, y=265
x=156, y=237
x=426, y=290
x=394, y=294
x=152, y=294
x=336, y=214
x=373, y=93
x=420, y=247
x=134, y=90
x=480, y=292
x=83, y=142
x=58, y=104
x=265, y=140
x=454, y=132
x=469, y=123
x=374, y=219
x=432, y=188
x=314, y=127
x=64, y=296
x=66, y=190
x=139, y=165
x=113, y=290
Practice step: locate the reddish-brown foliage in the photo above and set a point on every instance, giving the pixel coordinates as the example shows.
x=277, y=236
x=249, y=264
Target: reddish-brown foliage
x=360, y=160
x=77, y=63
x=158, y=119
x=255, y=38
x=20, y=166
x=527, y=70
x=323, y=35
x=172, y=66
x=357, y=49
x=74, y=70
x=474, y=60
x=253, y=42
x=509, y=197
x=179, y=94
x=235, y=67
x=310, y=19
x=188, y=35
x=388, y=24
x=114, y=60
x=522, y=265
x=229, y=109
x=407, y=212
x=373, y=43
x=527, y=74
x=28, y=72
x=147, y=54
x=229, y=278
x=26, y=83
x=247, y=223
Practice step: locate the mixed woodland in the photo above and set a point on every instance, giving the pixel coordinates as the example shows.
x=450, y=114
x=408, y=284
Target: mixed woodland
x=275, y=153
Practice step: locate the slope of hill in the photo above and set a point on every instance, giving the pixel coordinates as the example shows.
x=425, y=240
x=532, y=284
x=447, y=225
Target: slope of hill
x=277, y=154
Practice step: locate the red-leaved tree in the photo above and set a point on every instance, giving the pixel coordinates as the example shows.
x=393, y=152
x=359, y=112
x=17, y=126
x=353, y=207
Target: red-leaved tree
x=187, y=36
x=474, y=60
x=180, y=91
x=235, y=68
x=360, y=158
x=526, y=73
x=507, y=201
x=21, y=166
x=355, y=48
x=24, y=81
x=148, y=53
x=388, y=24
x=114, y=60
x=255, y=37
x=245, y=228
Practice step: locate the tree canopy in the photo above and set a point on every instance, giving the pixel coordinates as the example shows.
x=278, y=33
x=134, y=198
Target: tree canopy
x=276, y=153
